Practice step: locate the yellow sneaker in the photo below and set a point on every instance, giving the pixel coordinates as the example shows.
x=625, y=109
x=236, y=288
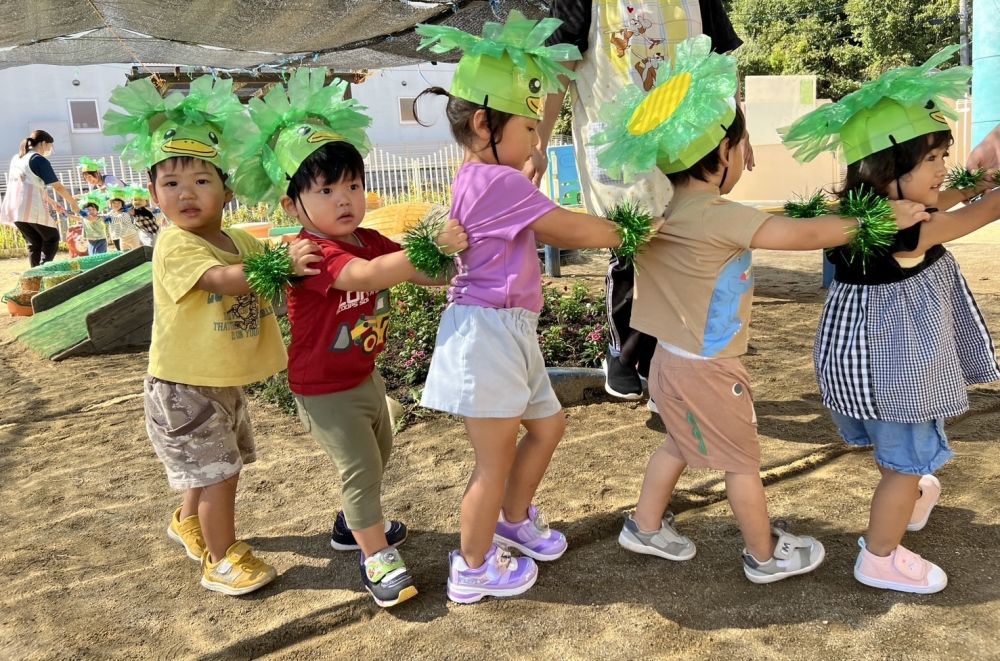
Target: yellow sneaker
x=237, y=573
x=187, y=533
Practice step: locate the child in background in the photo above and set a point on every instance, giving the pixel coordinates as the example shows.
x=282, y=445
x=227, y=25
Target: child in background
x=901, y=336
x=121, y=231
x=95, y=231
x=487, y=366
x=143, y=217
x=339, y=318
x=694, y=289
x=211, y=335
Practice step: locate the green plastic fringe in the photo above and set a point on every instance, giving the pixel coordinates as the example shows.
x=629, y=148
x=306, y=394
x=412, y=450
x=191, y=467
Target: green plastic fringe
x=269, y=272
x=876, y=223
x=422, y=250
x=635, y=227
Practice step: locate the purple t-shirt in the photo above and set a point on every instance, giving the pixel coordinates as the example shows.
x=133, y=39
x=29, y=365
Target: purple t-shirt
x=496, y=204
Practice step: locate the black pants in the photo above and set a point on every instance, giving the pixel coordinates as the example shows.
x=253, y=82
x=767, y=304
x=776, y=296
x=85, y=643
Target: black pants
x=43, y=242
x=635, y=348
x=118, y=243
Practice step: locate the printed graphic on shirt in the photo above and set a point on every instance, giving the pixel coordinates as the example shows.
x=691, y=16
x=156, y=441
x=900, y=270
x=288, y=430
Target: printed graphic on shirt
x=724, y=322
x=641, y=35
x=242, y=317
x=369, y=331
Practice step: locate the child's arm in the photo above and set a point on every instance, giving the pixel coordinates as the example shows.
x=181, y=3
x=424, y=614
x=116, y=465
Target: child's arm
x=783, y=233
x=377, y=274
x=947, y=226
x=232, y=280
x=568, y=229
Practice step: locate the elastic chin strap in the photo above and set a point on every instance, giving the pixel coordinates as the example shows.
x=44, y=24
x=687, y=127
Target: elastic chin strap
x=725, y=170
x=895, y=166
x=489, y=123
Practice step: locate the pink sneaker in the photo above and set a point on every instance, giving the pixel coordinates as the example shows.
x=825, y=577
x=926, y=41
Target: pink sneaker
x=902, y=570
x=930, y=492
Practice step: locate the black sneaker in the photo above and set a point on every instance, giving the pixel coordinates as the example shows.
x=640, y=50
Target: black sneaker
x=385, y=577
x=621, y=380
x=342, y=538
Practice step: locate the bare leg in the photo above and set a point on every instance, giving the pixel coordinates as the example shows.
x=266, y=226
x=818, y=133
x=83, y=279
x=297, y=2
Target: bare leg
x=534, y=452
x=892, y=506
x=747, y=499
x=217, y=512
x=495, y=443
x=662, y=473
x=190, y=505
x=371, y=539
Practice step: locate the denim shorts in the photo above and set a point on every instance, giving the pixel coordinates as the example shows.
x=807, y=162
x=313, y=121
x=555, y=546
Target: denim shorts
x=911, y=448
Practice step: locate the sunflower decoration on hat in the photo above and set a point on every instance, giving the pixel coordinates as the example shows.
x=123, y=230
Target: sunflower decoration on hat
x=902, y=104
x=678, y=122
x=176, y=125
x=285, y=127
x=88, y=164
x=509, y=68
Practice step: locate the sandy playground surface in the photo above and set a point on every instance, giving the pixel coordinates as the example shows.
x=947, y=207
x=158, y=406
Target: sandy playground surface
x=89, y=573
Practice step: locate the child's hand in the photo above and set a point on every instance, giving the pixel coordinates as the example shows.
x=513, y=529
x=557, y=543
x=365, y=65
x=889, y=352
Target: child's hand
x=658, y=222
x=452, y=238
x=304, y=252
x=908, y=213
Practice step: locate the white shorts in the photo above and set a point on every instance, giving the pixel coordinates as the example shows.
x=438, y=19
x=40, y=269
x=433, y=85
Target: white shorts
x=487, y=364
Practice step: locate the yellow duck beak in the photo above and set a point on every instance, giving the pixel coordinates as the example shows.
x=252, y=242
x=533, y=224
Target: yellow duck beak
x=324, y=136
x=534, y=104
x=189, y=147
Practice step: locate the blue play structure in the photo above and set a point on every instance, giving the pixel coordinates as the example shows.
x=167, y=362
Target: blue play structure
x=564, y=178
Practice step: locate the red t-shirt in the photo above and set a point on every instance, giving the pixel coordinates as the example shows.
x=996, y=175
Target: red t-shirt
x=336, y=335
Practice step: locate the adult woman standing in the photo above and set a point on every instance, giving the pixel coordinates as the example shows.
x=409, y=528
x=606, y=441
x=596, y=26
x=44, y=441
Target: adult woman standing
x=24, y=205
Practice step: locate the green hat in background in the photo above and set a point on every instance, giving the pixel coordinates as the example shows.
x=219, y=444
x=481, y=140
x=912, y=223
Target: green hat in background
x=118, y=193
x=509, y=68
x=138, y=192
x=283, y=129
x=88, y=164
x=93, y=197
x=678, y=122
x=177, y=125
x=900, y=105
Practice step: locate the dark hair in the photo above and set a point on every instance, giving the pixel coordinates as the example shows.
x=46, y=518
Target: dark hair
x=91, y=204
x=117, y=199
x=710, y=162
x=460, y=113
x=329, y=164
x=182, y=162
x=879, y=170
x=37, y=137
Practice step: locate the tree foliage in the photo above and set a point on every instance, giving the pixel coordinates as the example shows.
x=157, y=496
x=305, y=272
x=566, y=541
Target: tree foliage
x=843, y=42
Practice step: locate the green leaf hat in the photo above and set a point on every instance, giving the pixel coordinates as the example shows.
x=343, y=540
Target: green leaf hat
x=178, y=125
x=138, y=192
x=88, y=164
x=509, y=68
x=678, y=122
x=900, y=105
x=119, y=193
x=283, y=129
x=97, y=197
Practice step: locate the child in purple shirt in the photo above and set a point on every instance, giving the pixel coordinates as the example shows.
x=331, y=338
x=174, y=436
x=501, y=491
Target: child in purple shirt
x=487, y=366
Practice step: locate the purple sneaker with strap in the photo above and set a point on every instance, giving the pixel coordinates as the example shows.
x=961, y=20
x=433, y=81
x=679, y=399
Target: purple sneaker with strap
x=500, y=575
x=532, y=537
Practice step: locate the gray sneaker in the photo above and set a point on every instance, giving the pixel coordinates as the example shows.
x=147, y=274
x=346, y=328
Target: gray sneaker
x=793, y=555
x=665, y=542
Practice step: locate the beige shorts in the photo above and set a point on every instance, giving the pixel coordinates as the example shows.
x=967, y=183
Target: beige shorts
x=201, y=434
x=707, y=408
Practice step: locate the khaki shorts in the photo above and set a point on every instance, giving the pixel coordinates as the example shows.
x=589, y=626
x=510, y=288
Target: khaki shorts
x=707, y=408
x=201, y=434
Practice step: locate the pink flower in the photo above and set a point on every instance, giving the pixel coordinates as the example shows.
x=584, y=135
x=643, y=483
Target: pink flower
x=594, y=336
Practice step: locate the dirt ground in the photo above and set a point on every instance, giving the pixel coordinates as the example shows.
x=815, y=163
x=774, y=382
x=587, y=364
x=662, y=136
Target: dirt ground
x=88, y=571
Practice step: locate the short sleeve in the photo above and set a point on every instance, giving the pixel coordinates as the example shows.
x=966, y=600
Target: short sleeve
x=716, y=24
x=732, y=224
x=575, y=28
x=41, y=168
x=508, y=205
x=181, y=264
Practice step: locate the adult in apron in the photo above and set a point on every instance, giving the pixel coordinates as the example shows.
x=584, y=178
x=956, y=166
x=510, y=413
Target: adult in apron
x=25, y=204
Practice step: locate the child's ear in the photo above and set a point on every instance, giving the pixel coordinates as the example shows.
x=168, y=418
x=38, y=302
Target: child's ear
x=725, y=151
x=288, y=206
x=152, y=193
x=480, y=125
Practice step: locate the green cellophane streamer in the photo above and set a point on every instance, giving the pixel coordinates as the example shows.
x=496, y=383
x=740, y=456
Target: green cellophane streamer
x=635, y=227
x=422, y=249
x=269, y=271
x=876, y=223
x=815, y=206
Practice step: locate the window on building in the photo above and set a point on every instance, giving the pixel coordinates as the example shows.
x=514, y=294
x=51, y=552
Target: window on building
x=84, y=116
x=406, y=115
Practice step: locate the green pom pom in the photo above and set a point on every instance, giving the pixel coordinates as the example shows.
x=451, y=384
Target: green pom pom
x=876, y=223
x=816, y=205
x=635, y=227
x=269, y=272
x=422, y=250
x=960, y=179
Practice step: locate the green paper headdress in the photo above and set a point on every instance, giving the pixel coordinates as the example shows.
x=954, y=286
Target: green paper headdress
x=178, y=125
x=93, y=197
x=88, y=164
x=509, y=68
x=679, y=121
x=284, y=128
x=118, y=193
x=138, y=192
x=902, y=104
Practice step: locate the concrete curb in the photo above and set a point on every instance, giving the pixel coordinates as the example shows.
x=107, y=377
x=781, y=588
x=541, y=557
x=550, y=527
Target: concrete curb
x=571, y=383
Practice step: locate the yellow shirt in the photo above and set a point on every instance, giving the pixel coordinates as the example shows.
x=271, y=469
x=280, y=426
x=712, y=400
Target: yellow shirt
x=206, y=339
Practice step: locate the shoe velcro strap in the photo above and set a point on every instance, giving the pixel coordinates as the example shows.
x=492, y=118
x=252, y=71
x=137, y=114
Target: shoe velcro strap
x=380, y=565
x=786, y=546
x=909, y=564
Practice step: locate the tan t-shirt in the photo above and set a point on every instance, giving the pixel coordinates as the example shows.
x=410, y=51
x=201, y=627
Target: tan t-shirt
x=693, y=282
x=205, y=339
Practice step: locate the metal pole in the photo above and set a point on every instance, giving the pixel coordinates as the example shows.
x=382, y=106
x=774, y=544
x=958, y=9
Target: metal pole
x=963, y=31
